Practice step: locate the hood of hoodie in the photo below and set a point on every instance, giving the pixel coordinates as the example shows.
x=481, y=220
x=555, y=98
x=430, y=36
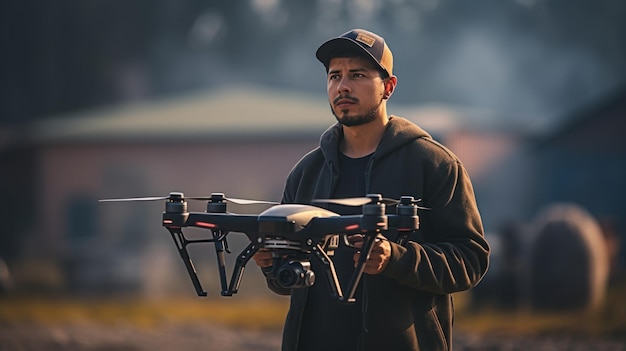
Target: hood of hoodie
x=398, y=133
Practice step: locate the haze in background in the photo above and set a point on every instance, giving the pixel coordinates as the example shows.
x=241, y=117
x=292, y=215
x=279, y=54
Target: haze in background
x=536, y=60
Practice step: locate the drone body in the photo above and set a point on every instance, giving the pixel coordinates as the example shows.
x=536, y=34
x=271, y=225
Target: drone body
x=294, y=233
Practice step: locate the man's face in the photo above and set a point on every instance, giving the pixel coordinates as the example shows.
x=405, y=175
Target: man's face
x=355, y=90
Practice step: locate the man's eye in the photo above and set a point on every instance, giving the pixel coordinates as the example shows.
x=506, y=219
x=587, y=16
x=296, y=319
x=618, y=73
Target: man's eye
x=333, y=77
x=358, y=75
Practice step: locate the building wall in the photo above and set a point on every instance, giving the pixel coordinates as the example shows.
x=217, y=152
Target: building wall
x=122, y=246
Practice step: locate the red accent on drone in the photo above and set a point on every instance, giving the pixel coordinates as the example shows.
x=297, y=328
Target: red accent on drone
x=206, y=225
x=167, y=221
x=353, y=226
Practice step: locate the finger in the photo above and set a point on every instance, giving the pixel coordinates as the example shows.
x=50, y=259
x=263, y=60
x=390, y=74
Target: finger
x=264, y=263
x=357, y=256
x=355, y=238
x=374, y=264
x=263, y=259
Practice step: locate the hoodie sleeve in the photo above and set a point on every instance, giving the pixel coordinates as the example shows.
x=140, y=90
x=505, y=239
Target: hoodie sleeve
x=449, y=252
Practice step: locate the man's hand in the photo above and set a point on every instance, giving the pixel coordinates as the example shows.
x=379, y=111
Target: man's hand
x=379, y=257
x=263, y=258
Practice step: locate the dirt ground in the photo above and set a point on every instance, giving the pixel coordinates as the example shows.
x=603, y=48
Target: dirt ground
x=204, y=336
x=87, y=337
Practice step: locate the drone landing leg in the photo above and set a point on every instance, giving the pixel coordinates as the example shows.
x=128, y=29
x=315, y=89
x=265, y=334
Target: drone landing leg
x=221, y=264
x=240, y=266
x=181, y=245
x=368, y=243
x=333, y=281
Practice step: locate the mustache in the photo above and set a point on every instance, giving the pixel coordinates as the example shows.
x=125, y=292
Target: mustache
x=347, y=97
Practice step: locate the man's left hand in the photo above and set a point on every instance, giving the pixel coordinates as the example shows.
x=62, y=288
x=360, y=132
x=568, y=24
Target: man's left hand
x=379, y=257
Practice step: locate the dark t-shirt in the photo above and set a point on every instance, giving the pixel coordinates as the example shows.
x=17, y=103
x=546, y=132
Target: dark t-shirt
x=327, y=324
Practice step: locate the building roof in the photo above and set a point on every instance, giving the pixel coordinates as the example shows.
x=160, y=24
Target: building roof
x=236, y=112
x=243, y=112
x=598, y=125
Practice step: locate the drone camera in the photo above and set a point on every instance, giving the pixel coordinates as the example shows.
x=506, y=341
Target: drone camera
x=295, y=274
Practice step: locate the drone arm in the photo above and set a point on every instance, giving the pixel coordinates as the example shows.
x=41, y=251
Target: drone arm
x=224, y=221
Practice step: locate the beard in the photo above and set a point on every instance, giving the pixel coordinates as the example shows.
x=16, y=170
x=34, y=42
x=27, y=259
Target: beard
x=357, y=120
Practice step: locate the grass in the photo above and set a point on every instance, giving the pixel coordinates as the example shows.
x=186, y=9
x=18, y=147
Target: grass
x=608, y=322
x=250, y=314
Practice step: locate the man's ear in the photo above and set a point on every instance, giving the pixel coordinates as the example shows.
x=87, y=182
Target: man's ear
x=390, y=85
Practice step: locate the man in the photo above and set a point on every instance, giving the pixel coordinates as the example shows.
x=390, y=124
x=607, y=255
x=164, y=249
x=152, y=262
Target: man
x=404, y=298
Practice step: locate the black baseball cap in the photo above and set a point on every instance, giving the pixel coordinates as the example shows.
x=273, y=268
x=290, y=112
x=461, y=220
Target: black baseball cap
x=361, y=42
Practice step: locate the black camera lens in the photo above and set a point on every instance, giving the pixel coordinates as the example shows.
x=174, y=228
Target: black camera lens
x=288, y=276
x=295, y=274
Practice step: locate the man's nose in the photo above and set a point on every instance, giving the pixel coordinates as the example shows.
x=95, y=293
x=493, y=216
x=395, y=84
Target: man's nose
x=343, y=85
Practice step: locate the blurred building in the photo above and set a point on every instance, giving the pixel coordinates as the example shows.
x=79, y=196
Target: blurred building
x=581, y=163
x=240, y=142
x=584, y=162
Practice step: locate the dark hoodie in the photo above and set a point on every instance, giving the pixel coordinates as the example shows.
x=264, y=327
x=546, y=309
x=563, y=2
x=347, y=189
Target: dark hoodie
x=409, y=305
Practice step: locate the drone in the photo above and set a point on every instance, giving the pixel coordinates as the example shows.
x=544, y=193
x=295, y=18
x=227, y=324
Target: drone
x=295, y=234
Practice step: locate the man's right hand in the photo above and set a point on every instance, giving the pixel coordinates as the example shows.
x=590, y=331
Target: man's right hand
x=263, y=258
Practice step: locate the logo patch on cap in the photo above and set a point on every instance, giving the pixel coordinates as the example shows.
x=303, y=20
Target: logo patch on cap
x=365, y=39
